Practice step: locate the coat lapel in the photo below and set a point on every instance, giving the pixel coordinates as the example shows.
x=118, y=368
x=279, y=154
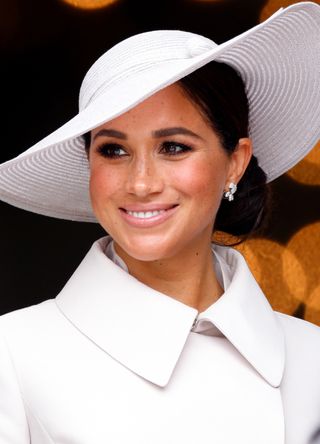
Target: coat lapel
x=146, y=330
x=245, y=317
x=141, y=328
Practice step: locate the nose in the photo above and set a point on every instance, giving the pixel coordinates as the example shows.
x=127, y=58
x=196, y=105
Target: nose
x=144, y=177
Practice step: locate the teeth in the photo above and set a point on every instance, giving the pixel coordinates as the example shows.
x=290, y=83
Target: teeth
x=145, y=214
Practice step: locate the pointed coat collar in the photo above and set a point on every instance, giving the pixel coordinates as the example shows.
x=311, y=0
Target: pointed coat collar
x=146, y=330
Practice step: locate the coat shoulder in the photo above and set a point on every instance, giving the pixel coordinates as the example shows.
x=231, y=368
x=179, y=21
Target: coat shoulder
x=302, y=345
x=300, y=386
x=30, y=310
x=299, y=330
x=33, y=318
x=302, y=338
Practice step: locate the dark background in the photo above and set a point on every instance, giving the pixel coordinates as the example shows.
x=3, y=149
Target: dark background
x=46, y=48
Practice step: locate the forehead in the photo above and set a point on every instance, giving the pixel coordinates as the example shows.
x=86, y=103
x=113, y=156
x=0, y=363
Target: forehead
x=170, y=105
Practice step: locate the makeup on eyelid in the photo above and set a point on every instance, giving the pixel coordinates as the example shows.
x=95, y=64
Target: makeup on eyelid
x=102, y=149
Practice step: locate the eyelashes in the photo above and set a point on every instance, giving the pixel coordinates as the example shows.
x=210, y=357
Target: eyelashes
x=111, y=150
x=174, y=152
x=116, y=151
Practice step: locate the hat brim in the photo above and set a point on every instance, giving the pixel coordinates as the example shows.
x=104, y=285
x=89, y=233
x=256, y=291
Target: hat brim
x=279, y=61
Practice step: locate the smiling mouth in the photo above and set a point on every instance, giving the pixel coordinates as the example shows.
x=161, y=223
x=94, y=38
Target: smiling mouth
x=147, y=214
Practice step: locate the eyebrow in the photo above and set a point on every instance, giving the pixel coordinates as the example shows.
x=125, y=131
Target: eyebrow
x=163, y=132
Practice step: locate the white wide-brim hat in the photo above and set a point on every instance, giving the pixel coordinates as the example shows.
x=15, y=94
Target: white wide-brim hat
x=279, y=61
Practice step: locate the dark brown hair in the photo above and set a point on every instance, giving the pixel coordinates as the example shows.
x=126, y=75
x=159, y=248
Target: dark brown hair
x=220, y=94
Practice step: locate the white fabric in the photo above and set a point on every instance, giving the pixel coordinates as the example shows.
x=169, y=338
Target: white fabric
x=110, y=360
x=223, y=277
x=278, y=60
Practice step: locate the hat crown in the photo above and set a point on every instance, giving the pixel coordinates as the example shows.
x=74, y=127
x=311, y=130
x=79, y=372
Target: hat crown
x=136, y=54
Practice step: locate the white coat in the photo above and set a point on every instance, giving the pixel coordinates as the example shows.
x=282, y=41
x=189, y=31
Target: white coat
x=112, y=361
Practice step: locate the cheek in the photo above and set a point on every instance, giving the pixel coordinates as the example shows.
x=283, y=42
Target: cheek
x=204, y=180
x=103, y=185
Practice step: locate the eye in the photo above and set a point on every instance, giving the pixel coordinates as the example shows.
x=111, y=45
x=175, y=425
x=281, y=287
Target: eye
x=111, y=150
x=174, y=148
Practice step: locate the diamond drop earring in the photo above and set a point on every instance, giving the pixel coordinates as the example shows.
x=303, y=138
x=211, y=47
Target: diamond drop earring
x=229, y=194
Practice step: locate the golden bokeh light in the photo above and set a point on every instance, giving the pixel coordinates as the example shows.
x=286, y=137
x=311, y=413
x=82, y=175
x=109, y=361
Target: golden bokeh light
x=294, y=274
x=313, y=307
x=89, y=4
x=288, y=274
x=264, y=258
x=305, y=245
x=307, y=171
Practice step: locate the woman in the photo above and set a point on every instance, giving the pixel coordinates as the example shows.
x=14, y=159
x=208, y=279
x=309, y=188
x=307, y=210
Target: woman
x=161, y=336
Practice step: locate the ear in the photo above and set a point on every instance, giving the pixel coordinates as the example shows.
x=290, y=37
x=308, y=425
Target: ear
x=239, y=161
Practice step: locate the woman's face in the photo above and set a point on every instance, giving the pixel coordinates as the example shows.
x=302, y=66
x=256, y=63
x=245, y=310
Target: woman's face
x=158, y=173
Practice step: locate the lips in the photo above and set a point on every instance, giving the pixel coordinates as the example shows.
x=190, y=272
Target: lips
x=147, y=211
x=148, y=207
x=147, y=215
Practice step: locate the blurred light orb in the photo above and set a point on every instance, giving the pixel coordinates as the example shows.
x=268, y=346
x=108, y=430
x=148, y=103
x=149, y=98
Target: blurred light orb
x=307, y=171
x=294, y=274
x=89, y=4
x=264, y=258
x=313, y=306
x=305, y=245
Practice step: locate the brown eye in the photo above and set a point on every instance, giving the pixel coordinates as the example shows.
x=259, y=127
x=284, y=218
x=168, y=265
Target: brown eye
x=111, y=150
x=174, y=148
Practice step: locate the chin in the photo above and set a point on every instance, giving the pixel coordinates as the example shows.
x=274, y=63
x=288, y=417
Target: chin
x=147, y=248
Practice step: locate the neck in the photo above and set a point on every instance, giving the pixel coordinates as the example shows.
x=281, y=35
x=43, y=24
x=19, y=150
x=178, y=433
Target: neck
x=188, y=276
